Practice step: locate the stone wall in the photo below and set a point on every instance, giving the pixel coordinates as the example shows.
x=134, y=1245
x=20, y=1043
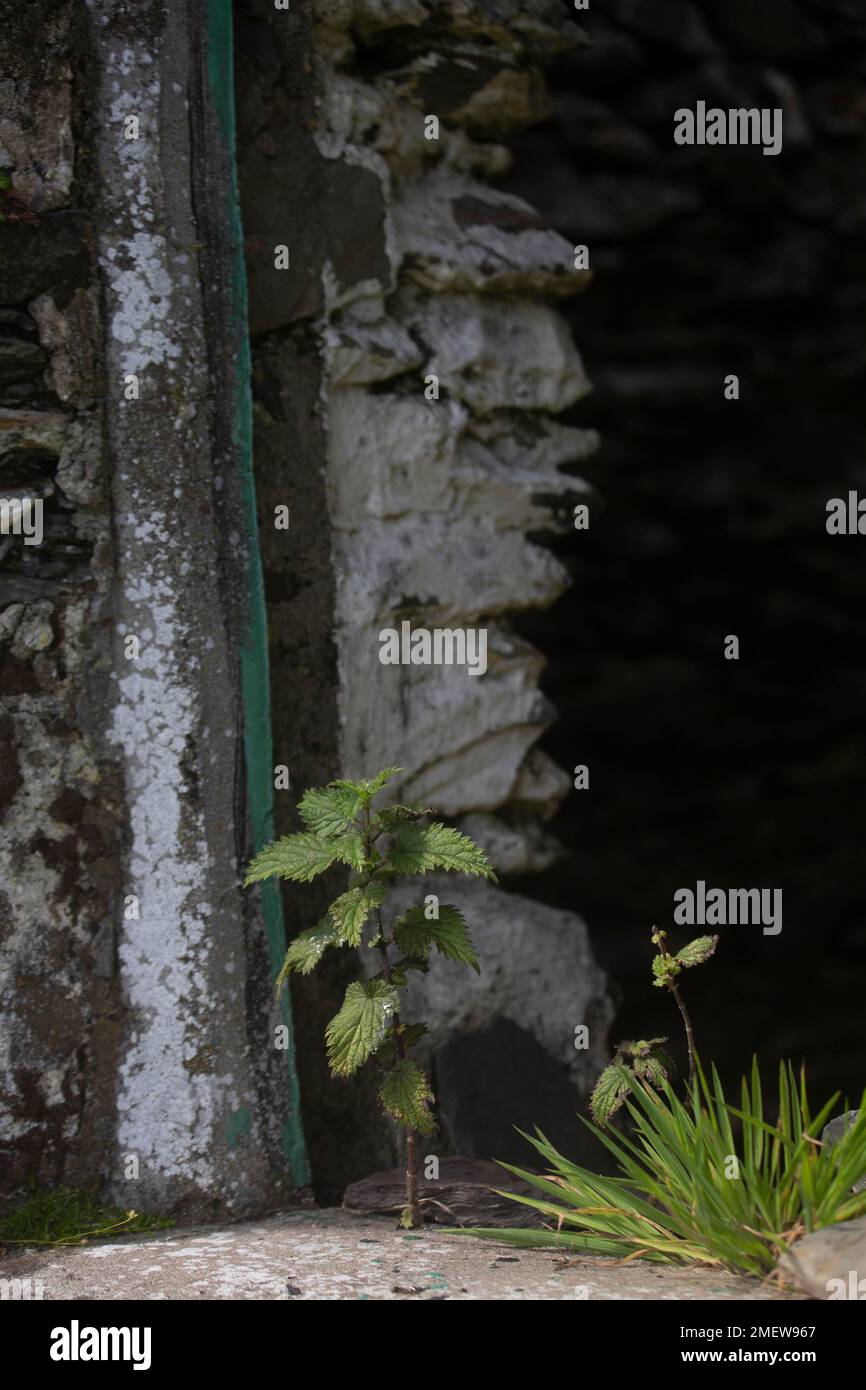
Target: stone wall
x=138, y=1043
x=406, y=269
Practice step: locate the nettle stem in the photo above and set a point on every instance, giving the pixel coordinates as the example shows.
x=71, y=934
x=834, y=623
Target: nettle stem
x=690, y=1037
x=412, y=1203
x=670, y=968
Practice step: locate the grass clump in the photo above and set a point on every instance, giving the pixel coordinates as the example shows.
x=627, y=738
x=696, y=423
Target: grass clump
x=65, y=1216
x=691, y=1191
x=701, y=1181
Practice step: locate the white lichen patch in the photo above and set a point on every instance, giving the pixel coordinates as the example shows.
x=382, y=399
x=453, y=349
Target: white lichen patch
x=165, y=1112
x=141, y=317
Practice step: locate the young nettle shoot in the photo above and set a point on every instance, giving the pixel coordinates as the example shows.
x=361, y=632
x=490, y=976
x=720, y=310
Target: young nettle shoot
x=647, y=1060
x=667, y=970
x=380, y=847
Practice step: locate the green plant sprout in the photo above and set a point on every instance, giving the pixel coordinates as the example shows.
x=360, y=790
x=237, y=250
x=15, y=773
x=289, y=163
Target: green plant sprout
x=380, y=847
x=647, y=1060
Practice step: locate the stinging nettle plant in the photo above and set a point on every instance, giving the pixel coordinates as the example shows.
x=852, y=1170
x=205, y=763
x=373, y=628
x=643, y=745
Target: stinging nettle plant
x=380, y=847
x=646, y=1060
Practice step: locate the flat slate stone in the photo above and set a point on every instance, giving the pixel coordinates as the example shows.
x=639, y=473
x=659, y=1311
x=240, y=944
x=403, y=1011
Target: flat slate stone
x=461, y=1196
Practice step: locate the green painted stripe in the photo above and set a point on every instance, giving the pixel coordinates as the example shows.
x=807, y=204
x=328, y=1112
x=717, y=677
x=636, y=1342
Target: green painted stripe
x=255, y=678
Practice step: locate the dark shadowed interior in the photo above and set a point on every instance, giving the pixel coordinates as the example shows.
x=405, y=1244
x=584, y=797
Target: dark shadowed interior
x=711, y=514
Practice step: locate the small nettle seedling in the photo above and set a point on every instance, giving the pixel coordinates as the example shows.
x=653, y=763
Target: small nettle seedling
x=647, y=1060
x=380, y=847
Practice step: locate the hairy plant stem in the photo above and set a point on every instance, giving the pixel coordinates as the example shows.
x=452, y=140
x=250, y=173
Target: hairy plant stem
x=411, y=1160
x=412, y=1203
x=690, y=1037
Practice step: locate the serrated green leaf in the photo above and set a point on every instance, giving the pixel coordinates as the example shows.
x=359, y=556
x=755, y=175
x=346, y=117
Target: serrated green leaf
x=328, y=811
x=350, y=850
x=451, y=937
x=367, y=787
x=665, y=968
x=417, y=849
x=642, y=1048
x=381, y=778
x=307, y=949
x=415, y=934
x=609, y=1094
x=654, y=1067
x=645, y=1058
x=298, y=857
x=357, y=1030
x=697, y=951
x=405, y=1093
x=350, y=911
x=412, y=932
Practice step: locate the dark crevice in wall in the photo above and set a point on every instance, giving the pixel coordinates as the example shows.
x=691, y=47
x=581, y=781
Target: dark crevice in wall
x=708, y=262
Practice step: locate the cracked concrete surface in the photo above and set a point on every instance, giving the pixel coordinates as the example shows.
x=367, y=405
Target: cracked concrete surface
x=329, y=1255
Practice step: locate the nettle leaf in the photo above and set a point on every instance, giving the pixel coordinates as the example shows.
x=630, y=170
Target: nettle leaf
x=411, y=932
x=328, y=811
x=643, y=1048
x=302, y=857
x=665, y=969
x=416, y=849
x=306, y=950
x=415, y=933
x=350, y=911
x=350, y=850
x=405, y=1093
x=649, y=1060
x=357, y=1030
x=376, y=783
x=451, y=937
x=610, y=1091
x=655, y=1069
x=367, y=787
x=697, y=951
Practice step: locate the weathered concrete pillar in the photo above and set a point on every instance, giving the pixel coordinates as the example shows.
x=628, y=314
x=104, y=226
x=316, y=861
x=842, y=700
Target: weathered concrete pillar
x=140, y=1046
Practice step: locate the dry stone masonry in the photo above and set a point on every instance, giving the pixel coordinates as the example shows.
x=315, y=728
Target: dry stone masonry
x=447, y=363
x=409, y=365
